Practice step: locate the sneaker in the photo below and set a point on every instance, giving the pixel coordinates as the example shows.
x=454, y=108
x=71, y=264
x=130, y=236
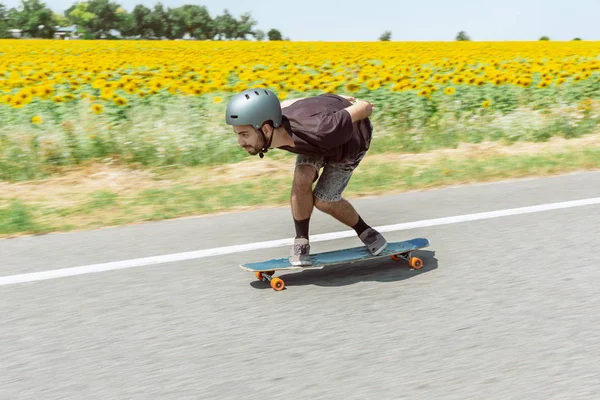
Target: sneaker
x=300, y=254
x=374, y=241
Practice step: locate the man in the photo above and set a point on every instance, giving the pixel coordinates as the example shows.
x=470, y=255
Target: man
x=326, y=132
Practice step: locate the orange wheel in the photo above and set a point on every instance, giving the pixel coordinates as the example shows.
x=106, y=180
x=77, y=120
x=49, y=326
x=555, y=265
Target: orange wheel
x=395, y=257
x=277, y=284
x=416, y=263
x=258, y=275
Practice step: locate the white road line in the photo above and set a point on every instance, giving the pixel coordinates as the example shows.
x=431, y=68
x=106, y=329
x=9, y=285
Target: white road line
x=190, y=255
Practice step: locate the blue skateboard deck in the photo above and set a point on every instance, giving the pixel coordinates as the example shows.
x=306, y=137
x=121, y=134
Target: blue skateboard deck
x=396, y=250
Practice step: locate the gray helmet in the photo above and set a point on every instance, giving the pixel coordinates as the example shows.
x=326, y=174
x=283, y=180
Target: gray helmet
x=254, y=107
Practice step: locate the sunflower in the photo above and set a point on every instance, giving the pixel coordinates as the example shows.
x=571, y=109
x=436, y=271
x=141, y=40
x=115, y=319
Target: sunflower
x=130, y=88
x=157, y=85
x=450, y=90
x=37, y=120
x=458, y=79
x=373, y=84
x=398, y=87
x=120, y=101
x=543, y=84
x=17, y=103
x=352, y=87
x=486, y=104
x=424, y=92
x=97, y=108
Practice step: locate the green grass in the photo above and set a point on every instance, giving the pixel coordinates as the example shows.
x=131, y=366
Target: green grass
x=17, y=218
x=381, y=175
x=163, y=130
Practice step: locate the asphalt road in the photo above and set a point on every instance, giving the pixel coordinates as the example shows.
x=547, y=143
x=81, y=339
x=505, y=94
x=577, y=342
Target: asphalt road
x=505, y=308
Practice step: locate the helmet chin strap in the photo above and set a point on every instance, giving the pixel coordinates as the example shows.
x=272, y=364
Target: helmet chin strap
x=266, y=147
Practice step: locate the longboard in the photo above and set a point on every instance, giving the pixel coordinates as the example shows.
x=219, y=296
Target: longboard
x=264, y=270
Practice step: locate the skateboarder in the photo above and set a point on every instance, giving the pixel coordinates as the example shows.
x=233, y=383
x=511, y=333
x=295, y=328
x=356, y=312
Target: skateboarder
x=326, y=132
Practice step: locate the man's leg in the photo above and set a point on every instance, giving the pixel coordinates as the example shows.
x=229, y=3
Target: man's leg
x=328, y=199
x=302, y=204
x=344, y=212
x=341, y=210
x=302, y=198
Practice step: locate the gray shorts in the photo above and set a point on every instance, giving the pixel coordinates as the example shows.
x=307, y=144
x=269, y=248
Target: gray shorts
x=335, y=175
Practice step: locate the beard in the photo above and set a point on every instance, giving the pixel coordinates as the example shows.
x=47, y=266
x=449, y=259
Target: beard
x=255, y=149
x=251, y=150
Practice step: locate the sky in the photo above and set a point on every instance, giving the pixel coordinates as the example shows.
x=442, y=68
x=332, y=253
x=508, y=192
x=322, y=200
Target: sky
x=415, y=20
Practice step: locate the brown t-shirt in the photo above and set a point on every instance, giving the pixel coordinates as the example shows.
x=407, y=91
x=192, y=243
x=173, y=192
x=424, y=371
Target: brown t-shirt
x=320, y=125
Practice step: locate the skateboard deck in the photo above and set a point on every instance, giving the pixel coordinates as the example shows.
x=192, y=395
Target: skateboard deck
x=264, y=270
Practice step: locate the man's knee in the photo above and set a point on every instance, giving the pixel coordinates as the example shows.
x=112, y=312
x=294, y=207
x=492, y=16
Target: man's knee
x=304, y=176
x=324, y=206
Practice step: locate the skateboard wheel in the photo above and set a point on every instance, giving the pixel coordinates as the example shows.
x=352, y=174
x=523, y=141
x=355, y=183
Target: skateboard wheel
x=395, y=257
x=416, y=263
x=277, y=284
x=259, y=276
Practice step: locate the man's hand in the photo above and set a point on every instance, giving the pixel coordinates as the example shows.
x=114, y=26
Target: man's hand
x=360, y=110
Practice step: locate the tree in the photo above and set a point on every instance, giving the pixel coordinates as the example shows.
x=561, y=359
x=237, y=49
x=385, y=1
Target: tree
x=79, y=14
x=61, y=20
x=544, y=38
x=577, y=39
x=193, y=20
x=106, y=16
x=274, y=34
x=259, y=35
x=141, y=21
x=95, y=17
x=462, y=37
x=226, y=26
x=386, y=36
x=230, y=28
x=245, y=26
x=3, y=22
x=160, y=22
x=126, y=23
x=34, y=18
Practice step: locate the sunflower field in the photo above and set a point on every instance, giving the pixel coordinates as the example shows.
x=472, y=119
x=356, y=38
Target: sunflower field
x=162, y=103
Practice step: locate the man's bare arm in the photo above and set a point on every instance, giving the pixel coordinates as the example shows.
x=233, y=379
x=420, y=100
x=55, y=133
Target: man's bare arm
x=360, y=110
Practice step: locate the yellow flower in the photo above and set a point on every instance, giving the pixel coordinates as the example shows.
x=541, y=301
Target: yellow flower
x=37, y=120
x=398, y=87
x=458, y=79
x=217, y=99
x=96, y=108
x=424, y=92
x=543, y=84
x=17, y=103
x=373, y=84
x=486, y=104
x=449, y=90
x=352, y=87
x=120, y=101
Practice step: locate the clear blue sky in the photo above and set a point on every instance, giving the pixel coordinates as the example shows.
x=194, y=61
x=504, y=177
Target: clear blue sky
x=415, y=20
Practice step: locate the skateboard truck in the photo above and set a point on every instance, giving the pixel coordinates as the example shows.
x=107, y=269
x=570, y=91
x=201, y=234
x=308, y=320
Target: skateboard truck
x=414, y=262
x=276, y=283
